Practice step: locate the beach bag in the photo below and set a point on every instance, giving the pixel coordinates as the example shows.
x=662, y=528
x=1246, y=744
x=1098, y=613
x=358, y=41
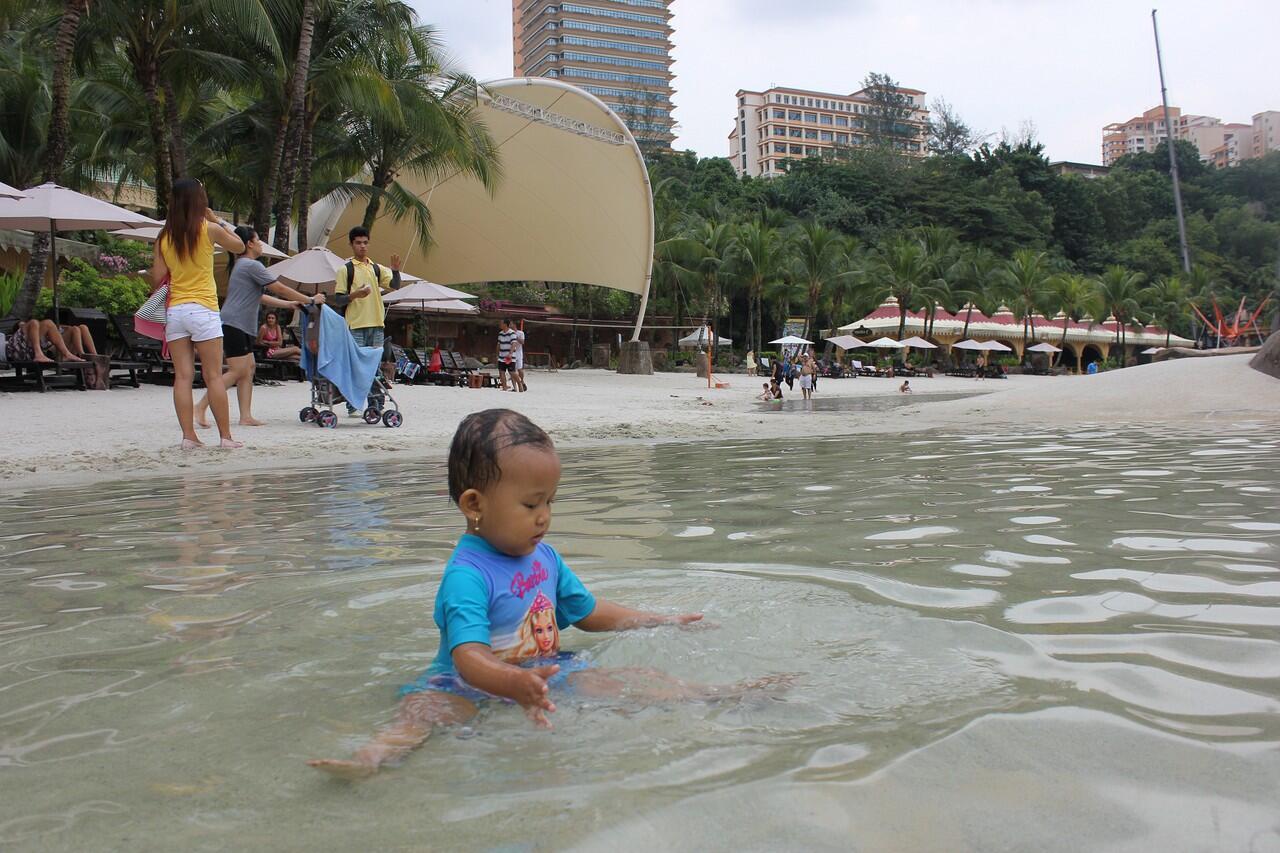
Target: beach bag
x=148, y=320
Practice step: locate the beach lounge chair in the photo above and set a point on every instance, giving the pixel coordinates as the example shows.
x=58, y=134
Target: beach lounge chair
x=40, y=375
x=142, y=353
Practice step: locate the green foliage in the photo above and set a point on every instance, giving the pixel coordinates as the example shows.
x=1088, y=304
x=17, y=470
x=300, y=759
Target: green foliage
x=9, y=285
x=82, y=286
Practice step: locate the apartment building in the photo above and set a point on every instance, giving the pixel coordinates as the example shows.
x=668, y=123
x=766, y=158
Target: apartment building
x=781, y=124
x=1219, y=144
x=1266, y=133
x=618, y=50
x=1138, y=135
x=1236, y=145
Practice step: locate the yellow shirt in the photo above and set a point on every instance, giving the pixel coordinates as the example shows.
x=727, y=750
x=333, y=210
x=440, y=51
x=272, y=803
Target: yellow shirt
x=191, y=278
x=367, y=312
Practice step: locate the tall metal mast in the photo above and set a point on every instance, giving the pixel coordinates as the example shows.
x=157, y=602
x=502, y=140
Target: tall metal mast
x=1173, y=157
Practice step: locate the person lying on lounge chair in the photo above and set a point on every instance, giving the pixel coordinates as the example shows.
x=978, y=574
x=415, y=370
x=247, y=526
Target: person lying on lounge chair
x=35, y=341
x=79, y=340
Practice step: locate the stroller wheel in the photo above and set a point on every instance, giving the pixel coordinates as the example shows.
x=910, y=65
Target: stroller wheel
x=308, y=415
x=372, y=415
x=327, y=420
x=392, y=418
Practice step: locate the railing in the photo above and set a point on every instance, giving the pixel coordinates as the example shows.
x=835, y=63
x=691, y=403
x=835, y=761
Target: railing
x=547, y=362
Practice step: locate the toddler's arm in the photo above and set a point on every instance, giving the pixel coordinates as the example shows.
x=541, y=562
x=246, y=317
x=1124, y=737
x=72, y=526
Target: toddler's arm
x=480, y=668
x=608, y=616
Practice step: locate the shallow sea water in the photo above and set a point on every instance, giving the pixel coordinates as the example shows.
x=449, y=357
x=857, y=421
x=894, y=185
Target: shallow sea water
x=1050, y=641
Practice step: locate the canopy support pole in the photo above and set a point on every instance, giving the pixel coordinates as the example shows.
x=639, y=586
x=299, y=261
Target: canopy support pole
x=644, y=304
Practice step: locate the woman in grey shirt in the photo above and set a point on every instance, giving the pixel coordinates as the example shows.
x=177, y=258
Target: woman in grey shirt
x=246, y=291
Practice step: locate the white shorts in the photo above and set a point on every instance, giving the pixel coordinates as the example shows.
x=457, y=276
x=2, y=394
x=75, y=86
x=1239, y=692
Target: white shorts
x=191, y=320
x=519, y=360
x=806, y=382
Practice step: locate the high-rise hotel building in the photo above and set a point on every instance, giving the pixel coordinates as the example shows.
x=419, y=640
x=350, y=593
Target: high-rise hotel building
x=781, y=124
x=618, y=50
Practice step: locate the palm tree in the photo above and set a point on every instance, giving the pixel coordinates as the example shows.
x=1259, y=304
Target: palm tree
x=903, y=269
x=1119, y=290
x=760, y=258
x=977, y=273
x=817, y=264
x=1026, y=279
x=1076, y=296
x=437, y=132
x=852, y=285
x=711, y=246
x=1168, y=299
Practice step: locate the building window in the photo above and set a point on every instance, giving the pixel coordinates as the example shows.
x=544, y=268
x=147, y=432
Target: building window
x=811, y=134
x=825, y=136
x=779, y=148
x=793, y=115
x=779, y=131
x=842, y=121
x=797, y=149
x=779, y=113
x=842, y=138
x=812, y=118
x=797, y=133
x=827, y=119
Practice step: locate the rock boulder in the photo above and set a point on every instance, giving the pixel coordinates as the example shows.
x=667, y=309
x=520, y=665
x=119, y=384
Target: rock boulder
x=1268, y=358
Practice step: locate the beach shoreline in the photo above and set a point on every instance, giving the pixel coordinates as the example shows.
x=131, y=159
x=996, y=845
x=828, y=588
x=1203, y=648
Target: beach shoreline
x=76, y=438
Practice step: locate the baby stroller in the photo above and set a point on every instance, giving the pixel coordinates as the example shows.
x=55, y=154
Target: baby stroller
x=339, y=370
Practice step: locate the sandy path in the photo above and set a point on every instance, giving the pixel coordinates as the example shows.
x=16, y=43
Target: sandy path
x=69, y=436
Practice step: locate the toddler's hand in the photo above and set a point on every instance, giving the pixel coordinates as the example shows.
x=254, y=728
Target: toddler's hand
x=532, y=693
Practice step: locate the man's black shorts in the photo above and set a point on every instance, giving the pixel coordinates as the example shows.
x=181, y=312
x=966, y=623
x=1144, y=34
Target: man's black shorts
x=503, y=366
x=235, y=342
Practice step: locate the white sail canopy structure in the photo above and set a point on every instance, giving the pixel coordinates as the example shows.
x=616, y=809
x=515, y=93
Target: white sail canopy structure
x=573, y=203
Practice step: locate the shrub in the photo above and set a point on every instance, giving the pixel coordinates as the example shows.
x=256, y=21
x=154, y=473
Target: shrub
x=10, y=283
x=83, y=286
x=126, y=255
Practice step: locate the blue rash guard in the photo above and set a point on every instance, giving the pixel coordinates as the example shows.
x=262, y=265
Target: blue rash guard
x=516, y=606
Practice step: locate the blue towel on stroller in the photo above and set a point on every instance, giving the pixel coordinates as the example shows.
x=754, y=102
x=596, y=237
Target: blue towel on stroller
x=339, y=359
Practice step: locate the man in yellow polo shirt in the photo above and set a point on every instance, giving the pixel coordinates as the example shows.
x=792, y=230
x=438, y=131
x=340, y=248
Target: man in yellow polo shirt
x=364, y=282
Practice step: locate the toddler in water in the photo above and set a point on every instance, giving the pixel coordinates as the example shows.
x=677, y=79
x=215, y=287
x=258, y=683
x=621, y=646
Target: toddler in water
x=504, y=598
x=766, y=394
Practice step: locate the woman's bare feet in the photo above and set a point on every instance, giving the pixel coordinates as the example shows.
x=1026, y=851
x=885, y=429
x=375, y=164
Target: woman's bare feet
x=230, y=444
x=202, y=416
x=41, y=358
x=352, y=771
x=192, y=444
x=252, y=421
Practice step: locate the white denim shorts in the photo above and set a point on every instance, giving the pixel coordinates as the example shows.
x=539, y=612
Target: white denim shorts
x=191, y=320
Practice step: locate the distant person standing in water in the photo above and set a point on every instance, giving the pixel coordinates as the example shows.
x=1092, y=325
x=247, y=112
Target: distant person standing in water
x=184, y=257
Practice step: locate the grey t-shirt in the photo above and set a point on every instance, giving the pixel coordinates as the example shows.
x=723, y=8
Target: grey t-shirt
x=244, y=295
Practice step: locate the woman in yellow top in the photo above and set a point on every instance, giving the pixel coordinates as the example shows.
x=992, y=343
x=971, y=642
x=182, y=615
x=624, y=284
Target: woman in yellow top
x=184, y=254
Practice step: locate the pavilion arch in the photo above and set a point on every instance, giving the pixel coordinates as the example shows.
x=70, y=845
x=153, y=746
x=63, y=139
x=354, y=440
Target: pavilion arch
x=573, y=203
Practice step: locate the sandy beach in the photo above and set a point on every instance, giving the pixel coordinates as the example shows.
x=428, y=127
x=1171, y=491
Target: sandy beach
x=68, y=437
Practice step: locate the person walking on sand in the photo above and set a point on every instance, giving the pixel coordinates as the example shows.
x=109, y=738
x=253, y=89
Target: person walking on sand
x=184, y=257
x=517, y=359
x=506, y=361
x=363, y=282
x=751, y=362
x=246, y=290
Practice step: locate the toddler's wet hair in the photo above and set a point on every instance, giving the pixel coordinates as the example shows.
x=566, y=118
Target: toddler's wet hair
x=481, y=437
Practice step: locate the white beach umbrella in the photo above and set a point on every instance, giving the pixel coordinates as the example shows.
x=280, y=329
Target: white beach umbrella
x=151, y=233
x=443, y=306
x=1043, y=348
x=698, y=337
x=316, y=265
x=885, y=343
x=918, y=343
x=847, y=342
x=969, y=344
x=996, y=346
x=423, y=291
x=792, y=340
x=52, y=208
x=7, y=191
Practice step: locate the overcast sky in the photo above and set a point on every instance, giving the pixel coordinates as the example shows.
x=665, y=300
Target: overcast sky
x=1067, y=67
